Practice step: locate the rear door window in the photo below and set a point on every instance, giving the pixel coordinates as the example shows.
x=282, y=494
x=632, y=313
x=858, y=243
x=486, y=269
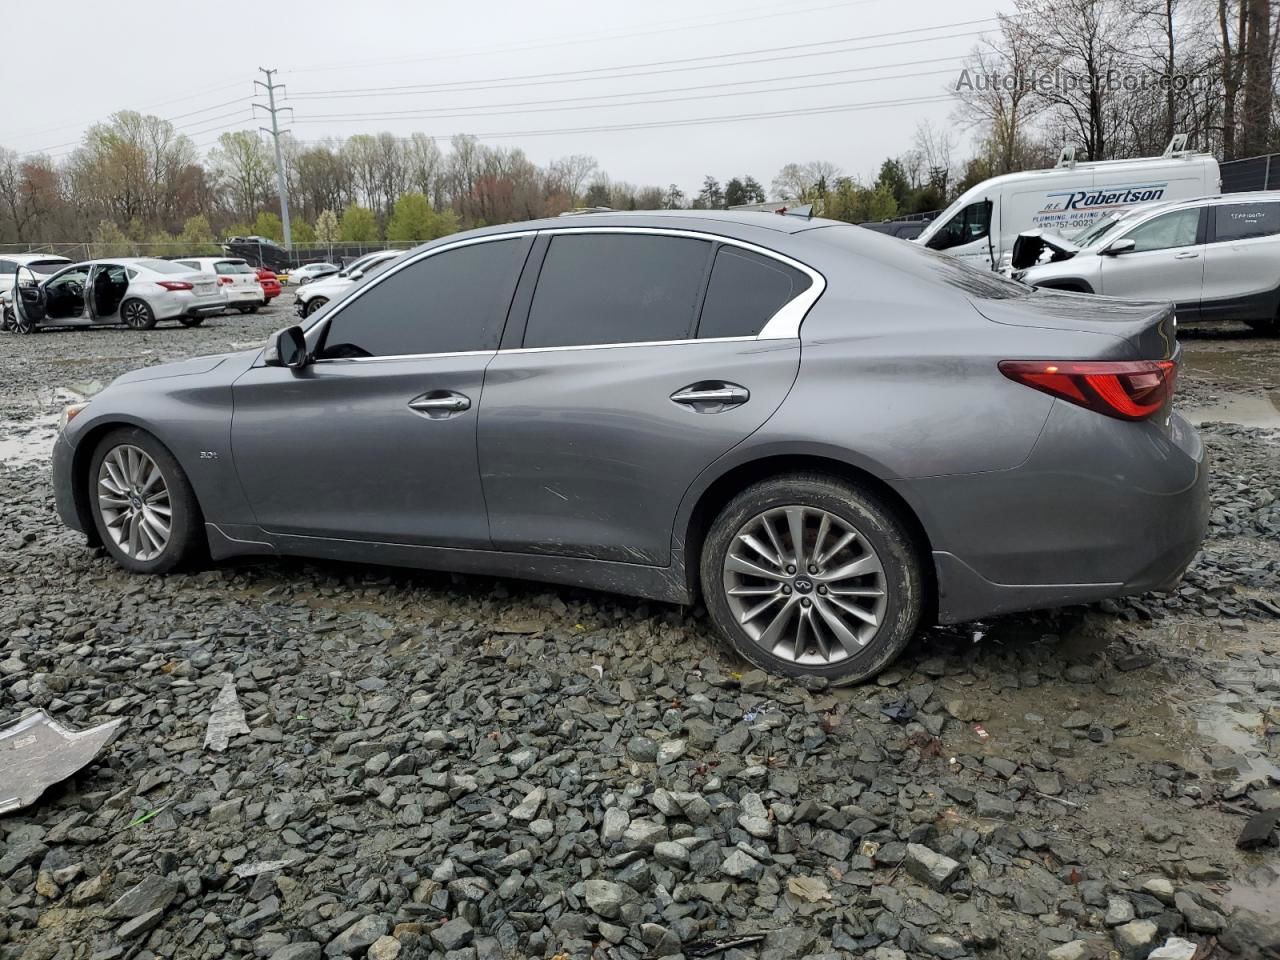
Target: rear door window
x=451, y=302
x=617, y=288
x=746, y=290
x=1246, y=221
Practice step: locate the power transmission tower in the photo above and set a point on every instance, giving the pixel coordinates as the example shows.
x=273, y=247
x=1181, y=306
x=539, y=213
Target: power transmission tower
x=271, y=87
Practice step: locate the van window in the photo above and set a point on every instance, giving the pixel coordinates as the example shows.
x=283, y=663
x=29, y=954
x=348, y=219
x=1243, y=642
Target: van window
x=1167, y=231
x=1245, y=221
x=973, y=222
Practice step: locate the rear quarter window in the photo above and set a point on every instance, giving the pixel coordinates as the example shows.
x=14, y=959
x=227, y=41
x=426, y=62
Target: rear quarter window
x=745, y=291
x=1246, y=221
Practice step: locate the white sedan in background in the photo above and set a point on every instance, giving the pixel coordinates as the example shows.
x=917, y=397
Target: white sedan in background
x=238, y=280
x=319, y=292
x=311, y=271
x=136, y=291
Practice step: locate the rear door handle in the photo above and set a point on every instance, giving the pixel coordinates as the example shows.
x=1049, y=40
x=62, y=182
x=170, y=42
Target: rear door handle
x=439, y=404
x=711, y=396
x=1190, y=255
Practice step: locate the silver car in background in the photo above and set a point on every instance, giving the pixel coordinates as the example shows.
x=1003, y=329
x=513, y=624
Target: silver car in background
x=1218, y=258
x=136, y=291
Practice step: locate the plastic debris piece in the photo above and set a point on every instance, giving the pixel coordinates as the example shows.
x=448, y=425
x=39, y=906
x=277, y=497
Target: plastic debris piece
x=226, y=719
x=981, y=731
x=708, y=948
x=246, y=870
x=812, y=889
x=37, y=751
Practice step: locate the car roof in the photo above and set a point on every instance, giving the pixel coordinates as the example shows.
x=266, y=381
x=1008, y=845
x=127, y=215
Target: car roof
x=22, y=258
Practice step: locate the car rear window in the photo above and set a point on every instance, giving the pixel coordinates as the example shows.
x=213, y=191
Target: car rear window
x=453, y=301
x=46, y=267
x=746, y=289
x=1245, y=221
x=616, y=288
x=231, y=266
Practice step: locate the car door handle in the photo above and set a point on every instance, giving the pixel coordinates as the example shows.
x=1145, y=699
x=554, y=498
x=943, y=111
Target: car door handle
x=1189, y=255
x=439, y=404
x=711, y=397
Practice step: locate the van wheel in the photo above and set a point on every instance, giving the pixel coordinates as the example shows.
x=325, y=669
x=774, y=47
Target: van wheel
x=137, y=314
x=143, y=506
x=808, y=575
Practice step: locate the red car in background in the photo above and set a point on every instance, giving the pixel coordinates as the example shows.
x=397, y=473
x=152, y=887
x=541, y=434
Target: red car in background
x=270, y=284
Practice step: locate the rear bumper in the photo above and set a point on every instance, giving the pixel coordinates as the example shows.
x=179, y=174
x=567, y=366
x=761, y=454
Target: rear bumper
x=1100, y=509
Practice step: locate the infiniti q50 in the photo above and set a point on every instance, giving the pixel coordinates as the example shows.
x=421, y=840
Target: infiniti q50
x=829, y=436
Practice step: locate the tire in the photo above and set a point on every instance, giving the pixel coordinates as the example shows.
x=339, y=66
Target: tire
x=22, y=325
x=880, y=544
x=1268, y=328
x=254, y=308
x=149, y=552
x=6, y=319
x=191, y=321
x=313, y=305
x=137, y=314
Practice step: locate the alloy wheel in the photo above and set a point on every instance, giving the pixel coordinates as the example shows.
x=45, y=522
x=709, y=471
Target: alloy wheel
x=136, y=314
x=805, y=585
x=134, y=501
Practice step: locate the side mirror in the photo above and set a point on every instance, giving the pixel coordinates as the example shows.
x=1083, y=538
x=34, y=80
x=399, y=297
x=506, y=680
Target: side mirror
x=355, y=274
x=288, y=349
x=1120, y=246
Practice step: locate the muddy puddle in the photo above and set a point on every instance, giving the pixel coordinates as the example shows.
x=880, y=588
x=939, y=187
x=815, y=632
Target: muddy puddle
x=1248, y=411
x=24, y=442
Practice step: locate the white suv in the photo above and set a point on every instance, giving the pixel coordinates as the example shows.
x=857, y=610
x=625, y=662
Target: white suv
x=1218, y=258
x=316, y=294
x=237, y=279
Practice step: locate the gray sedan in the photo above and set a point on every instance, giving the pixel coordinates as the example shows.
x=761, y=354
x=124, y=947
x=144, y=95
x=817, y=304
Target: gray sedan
x=830, y=436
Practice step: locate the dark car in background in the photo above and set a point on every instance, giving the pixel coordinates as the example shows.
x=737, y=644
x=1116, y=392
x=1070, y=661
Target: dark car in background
x=902, y=229
x=829, y=436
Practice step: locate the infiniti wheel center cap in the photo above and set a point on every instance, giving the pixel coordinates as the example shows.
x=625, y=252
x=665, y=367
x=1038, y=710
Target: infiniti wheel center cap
x=804, y=586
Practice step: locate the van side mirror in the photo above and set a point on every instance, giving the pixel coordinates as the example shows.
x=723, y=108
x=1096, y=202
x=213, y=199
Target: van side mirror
x=1120, y=246
x=288, y=349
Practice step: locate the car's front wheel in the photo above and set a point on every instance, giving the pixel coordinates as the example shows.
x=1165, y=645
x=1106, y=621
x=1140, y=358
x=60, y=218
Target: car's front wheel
x=313, y=305
x=143, y=506
x=807, y=575
x=137, y=314
x=7, y=318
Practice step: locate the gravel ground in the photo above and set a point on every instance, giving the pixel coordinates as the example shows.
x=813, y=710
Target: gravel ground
x=462, y=767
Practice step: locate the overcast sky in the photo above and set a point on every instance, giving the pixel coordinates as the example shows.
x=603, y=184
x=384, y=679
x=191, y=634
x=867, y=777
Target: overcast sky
x=196, y=66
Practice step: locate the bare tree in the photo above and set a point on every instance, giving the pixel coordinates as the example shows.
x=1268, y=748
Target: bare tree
x=244, y=165
x=572, y=173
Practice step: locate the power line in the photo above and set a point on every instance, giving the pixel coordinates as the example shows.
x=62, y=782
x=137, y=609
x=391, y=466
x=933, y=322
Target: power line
x=486, y=112
x=688, y=89
x=673, y=26
x=676, y=65
x=690, y=122
x=69, y=126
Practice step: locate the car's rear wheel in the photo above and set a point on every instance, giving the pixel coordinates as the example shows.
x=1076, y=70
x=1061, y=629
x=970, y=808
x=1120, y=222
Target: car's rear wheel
x=807, y=575
x=137, y=314
x=143, y=506
x=6, y=319
x=191, y=321
x=313, y=305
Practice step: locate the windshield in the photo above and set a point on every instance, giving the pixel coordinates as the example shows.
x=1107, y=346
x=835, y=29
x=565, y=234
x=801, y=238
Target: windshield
x=1089, y=235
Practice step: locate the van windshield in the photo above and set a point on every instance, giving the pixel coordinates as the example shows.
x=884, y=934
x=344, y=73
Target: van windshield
x=971, y=222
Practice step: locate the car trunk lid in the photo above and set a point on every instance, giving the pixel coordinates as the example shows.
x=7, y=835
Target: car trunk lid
x=1149, y=327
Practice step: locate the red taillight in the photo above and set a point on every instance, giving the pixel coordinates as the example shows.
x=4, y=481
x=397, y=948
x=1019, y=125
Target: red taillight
x=175, y=284
x=1124, y=389
x=225, y=280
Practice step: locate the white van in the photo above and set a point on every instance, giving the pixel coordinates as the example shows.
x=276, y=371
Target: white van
x=985, y=220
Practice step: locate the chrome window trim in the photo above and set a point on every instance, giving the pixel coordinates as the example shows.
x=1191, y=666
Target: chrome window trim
x=783, y=325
